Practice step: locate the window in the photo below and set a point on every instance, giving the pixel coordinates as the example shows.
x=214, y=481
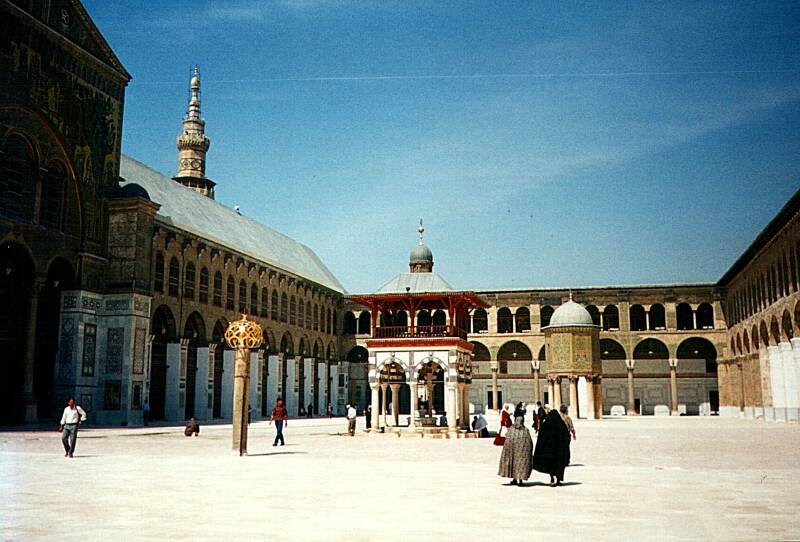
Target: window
x=158, y=277
x=52, y=203
x=174, y=274
x=611, y=318
x=204, y=285
x=253, y=299
x=301, y=313
x=480, y=322
x=188, y=281
x=328, y=323
x=308, y=315
x=264, y=302
x=218, y=289
x=230, y=296
x=292, y=311
x=112, y=395
x=274, y=309
x=284, y=308
x=17, y=178
x=316, y=318
x=242, y=296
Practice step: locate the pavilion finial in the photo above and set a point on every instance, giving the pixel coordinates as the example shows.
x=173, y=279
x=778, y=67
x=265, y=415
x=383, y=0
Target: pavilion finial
x=421, y=231
x=570, y=295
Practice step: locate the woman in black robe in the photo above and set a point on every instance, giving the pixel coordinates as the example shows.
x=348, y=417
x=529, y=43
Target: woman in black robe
x=552, y=448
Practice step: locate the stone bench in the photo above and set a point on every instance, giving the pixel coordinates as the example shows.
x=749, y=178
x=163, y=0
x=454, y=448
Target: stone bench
x=661, y=410
x=617, y=410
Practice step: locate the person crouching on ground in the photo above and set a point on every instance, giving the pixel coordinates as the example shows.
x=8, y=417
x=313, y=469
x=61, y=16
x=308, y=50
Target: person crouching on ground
x=70, y=421
x=515, y=460
x=551, y=455
x=351, y=420
x=281, y=417
x=192, y=428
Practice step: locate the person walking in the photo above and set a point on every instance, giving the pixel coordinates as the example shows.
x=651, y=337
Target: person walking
x=310, y=410
x=551, y=455
x=281, y=417
x=538, y=416
x=330, y=410
x=71, y=419
x=515, y=460
x=519, y=411
x=146, y=412
x=351, y=420
x=505, y=423
x=368, y=415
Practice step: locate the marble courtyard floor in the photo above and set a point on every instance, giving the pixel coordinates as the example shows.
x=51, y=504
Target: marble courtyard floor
x=632, y=479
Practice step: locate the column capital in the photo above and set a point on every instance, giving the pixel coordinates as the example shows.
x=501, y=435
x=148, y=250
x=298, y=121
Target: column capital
x=536, y=364
x=673, y=363
x=630, y=363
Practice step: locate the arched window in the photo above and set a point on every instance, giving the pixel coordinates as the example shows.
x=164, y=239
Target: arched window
x=218, y=289
x=230, y=297
x=523, y=320
x=658, y=317
x=316, y=318
x=242, y=296
x=480, y=321
x=17, y=178
x=274, y=309
x=158, y=275
x=328, y=322
x=308, y=315
x=189, y=277
x=545, y=313
x=611, y=318
x=174, y=274
x=253, y=299
x=292, y=311
x=335, y=323
x=52, y=202
x=638, y=318
x=684, y=316
x=301, y=313
x=350, y=324
x=284, y=307
x=204, y=285
x=264, y=302
x=705, y=316
x=505, y=322
x=364, y=323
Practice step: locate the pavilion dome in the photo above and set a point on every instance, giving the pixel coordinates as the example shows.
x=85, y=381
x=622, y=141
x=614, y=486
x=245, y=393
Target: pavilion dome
x=420, y=254
x=571, y=314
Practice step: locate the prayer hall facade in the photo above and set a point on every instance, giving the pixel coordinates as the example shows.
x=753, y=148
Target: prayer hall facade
x=118, y=281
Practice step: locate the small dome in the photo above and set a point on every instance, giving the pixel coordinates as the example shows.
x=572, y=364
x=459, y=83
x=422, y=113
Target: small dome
x=131, y=190
x=571, y=314
x=421, y=254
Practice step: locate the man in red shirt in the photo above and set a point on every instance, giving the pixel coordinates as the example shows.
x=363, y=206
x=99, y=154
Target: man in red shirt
x=281, y=417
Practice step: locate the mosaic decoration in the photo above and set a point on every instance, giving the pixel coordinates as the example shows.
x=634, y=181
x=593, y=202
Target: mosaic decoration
x=89, y=349
x=115, y=341
x=112, y=396
x=138, y=350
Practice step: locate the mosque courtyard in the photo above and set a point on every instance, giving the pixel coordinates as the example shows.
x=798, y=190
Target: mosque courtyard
x=632, y=479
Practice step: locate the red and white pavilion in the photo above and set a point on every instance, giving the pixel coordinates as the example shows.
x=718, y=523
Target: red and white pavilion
x=418, y=346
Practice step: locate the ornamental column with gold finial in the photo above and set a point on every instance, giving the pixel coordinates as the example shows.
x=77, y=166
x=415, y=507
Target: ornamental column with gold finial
x=242, y=336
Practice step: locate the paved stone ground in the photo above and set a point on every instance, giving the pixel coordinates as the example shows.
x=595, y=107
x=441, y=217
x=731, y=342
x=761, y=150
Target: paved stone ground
x=632, y=479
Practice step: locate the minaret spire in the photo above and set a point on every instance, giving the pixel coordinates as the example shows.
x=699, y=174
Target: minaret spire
x=193, y=144
x=421, y=231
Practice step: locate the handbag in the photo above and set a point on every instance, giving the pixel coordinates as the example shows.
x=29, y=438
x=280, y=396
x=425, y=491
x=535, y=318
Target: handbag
x=500, y=438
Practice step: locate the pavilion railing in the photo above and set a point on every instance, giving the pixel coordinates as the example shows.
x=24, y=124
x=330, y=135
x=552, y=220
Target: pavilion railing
x=396, y=332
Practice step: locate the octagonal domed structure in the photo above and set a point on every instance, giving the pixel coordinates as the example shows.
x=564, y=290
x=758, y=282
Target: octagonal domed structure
x=571, y=314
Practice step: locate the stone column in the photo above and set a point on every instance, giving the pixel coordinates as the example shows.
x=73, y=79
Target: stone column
x=465, y=406
x=414, y=402
x=429, y=388
x=629, y=363
x=212, y=347
x=494, y=385
x=776, y=383
x=375, y=398
x=551, y=390
x=241, y=399
x=795, y=343
x=597, y=385
x=591, y=411
x=789, y=380
x=573, y=397
x=673, y=385
x=450, y=405
x=384, y=388
x=536, y=365
x=28, y=399
x=396, y=403
x=328, y=387
x=557, y=393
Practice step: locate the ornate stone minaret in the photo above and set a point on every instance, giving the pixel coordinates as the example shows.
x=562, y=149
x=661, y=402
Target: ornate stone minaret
x=193, y=145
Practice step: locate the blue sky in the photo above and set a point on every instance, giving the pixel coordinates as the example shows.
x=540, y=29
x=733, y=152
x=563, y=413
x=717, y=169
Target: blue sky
x=544, y=144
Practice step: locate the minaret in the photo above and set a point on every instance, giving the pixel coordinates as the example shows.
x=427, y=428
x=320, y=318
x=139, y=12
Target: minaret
x=193, y=145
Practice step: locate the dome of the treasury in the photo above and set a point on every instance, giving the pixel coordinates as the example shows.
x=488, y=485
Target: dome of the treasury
x=571, y=314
